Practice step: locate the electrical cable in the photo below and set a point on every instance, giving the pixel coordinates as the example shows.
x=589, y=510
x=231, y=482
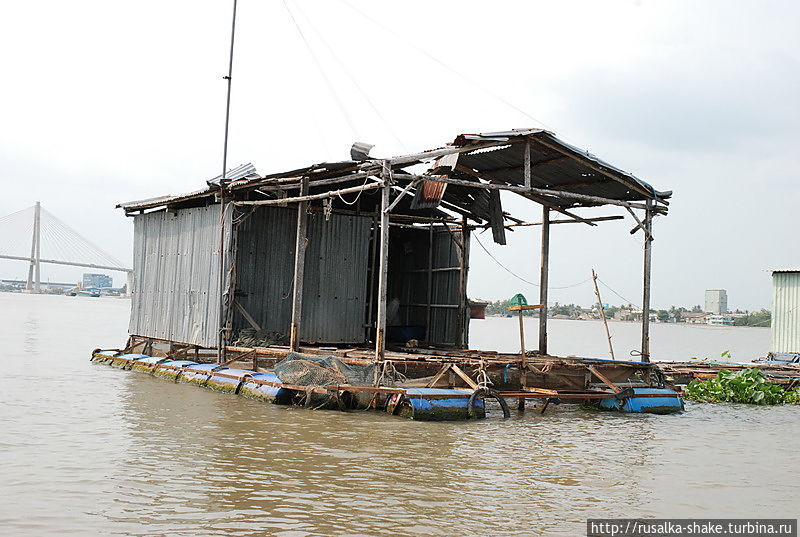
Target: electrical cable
x=350, y=76
x=318, y=64
x=520, y=277
x=446, y=66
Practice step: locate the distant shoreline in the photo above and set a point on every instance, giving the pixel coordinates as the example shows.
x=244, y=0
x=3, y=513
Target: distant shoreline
x=693, y=325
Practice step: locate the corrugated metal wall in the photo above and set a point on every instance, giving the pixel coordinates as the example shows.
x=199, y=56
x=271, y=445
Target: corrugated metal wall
x=335, y=281
x=408, y=282
x=444, y=328
x=176, y=275
x=785, y=312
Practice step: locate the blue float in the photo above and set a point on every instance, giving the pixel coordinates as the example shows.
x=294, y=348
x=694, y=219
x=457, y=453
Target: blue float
x=669, y=404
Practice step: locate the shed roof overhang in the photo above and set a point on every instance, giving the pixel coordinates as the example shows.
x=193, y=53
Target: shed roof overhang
x=561, y=176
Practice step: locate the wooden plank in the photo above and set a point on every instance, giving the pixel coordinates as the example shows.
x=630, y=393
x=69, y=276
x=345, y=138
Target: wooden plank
x=247, y=317
x=542, y=391
x=457, y=370
x=445, y=368
x=603, y=378
x=525, y=308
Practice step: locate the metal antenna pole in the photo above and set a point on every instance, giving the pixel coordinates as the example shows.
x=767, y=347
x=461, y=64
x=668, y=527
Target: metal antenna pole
x=222, y=339
x=228, y=101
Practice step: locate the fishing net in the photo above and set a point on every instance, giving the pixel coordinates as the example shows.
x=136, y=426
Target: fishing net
x=250, y=337
x=303, y=370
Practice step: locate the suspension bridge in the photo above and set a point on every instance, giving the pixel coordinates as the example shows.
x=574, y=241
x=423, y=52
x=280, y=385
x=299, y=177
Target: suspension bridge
x=37, y=236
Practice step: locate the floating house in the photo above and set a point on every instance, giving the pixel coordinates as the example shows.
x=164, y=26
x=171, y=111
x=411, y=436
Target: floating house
x=367, y=260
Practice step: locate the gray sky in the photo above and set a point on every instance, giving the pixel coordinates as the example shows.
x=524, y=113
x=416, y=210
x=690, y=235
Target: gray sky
x=108, y=101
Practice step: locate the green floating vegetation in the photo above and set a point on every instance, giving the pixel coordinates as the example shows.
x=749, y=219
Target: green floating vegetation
x=749, y=386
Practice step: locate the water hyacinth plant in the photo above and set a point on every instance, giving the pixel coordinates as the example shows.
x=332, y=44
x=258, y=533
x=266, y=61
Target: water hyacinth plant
x=749, y=386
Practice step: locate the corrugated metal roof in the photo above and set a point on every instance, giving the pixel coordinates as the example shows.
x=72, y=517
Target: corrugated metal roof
x=555, y=164
x=242, y=171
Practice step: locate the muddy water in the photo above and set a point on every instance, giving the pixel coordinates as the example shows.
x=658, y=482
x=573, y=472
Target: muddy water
x=86, y=449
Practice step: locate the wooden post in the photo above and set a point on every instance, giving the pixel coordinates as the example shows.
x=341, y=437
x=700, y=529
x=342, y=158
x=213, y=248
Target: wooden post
x=299, y=268
x=462, y=287
x=373, y=253
x=648, y=241
x=383, y=272
x=523, y=368
x=430, y=284
x=543, y=278
x=523, y=358
x=603, y=314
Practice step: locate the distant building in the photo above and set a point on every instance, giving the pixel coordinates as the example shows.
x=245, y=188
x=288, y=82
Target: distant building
x=716, y=301
x=719, y=320
x=97, y=280
x=786, y=310
x=694, y=318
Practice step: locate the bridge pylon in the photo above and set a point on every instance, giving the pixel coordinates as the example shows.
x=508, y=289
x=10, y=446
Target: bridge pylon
x=34, y=284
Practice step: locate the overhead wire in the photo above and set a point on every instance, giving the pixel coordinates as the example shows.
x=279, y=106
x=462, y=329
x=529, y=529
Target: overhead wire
x=445, y=65
x=520, y=277
x=350, y=76
x=322, y=72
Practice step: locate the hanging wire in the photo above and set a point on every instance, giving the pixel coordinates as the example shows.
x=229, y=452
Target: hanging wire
x=322, y=73
x=444, y=65
x=520, y=277
x=619, y=295
x=350, y=76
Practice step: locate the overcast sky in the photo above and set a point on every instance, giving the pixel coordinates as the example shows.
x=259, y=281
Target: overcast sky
x=106, y=101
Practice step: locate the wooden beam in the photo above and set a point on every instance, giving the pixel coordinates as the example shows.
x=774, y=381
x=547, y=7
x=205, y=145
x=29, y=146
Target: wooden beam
x=553, y=222
x=597, y=200
x=436, y=378
x=534, y=165
x=310, y=197
x=494, y=184
x=604, y=379
x=471, y=383
x=299, y=269
x=435, y=153
x=639, y=225
x=247, y=317
x=527, y=165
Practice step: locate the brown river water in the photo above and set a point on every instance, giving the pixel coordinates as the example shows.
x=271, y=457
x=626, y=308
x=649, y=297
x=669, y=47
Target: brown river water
x=86, y=449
